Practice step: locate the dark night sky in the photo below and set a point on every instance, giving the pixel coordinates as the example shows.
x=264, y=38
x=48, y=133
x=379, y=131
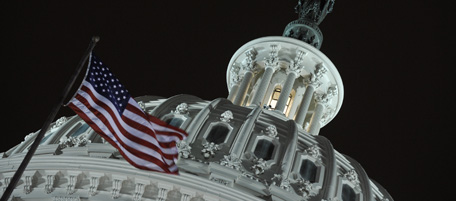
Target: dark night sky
x=394, y=59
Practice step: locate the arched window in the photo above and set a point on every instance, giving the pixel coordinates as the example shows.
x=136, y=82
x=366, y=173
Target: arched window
x=264, y=149
x=46, y=137
x=80, y=130
x=174, y=121
x=275, y=97
x=348, y=194
x=218, y=134
x=308, y=170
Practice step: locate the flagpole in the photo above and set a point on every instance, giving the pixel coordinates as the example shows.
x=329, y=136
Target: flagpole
x=48, y=121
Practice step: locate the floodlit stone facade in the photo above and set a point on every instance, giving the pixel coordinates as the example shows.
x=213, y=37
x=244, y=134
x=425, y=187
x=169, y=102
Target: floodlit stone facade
x=262, y=142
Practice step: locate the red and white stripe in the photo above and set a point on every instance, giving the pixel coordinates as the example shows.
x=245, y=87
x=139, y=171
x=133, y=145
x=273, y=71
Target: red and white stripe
x=144, y=141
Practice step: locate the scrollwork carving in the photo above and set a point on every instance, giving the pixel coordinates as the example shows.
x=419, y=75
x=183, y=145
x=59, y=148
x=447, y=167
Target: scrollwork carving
x=28, y=180
x=352, y=176
x=306, y=189
x=49, y=187
x=142, y=105
x=271, y=131
x=226, y=116
x=295, y=65
x=79, y=141
x=181, y=109
x=209, y=149
x=326, y=97
x=184, y=150
x=313, y=151
x=249, y=62
x=59, y=122
x=273, y=60
x=139, y=190
x=116, y=185
x=259, y=166
x=231, y=161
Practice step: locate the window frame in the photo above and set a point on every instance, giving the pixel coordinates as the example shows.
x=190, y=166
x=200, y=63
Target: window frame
x=212, y=125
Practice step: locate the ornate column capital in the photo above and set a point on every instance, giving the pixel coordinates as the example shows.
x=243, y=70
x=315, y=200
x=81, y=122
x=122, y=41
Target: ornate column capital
x=314, y=78
x=326, y=97
x=273, y=60
x=249, y=62
x=295, y=65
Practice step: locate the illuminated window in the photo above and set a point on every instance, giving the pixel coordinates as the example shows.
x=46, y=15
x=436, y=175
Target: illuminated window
x=275, y=97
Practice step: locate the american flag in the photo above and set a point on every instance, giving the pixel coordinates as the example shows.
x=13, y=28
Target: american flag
x=144, y=141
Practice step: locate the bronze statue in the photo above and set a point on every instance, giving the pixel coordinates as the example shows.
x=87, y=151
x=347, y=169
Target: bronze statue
x=314, y=10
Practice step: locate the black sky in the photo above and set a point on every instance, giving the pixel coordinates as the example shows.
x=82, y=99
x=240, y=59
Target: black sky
x=395, y=59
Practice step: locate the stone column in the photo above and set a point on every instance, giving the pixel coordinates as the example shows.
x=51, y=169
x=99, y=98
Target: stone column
x=249, y=67
x=322, y=102
x=271, y=65
x=234, y=87
x=293, y=71
x=316, y=117
x=261, y=91
x=312, y=82
x=305, y=103
x=285, y=92
x=242, y=90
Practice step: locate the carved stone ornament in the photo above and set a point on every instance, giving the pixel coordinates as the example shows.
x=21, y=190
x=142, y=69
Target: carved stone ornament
x=271, y=131
x=320, y=70
x=94, y=182
x=306, y=189
x=249, y=62
x=181, y=109
x=139, y=191
x=313, y=151
x=236, y=79
x=231, y=161
x=79, y=141
x=71, y=184
x=115, y=191
x=185, y=151
x=226, y=116
x=325, y=98
x=273, y=60
x=329, y=113
x=59, y=122
x=49, y=187
x=259, y=165
x=28, y=180
x=314, y=78
x=142, y=105
x=284, y=183
x=295, y=65
x=352, y=176
x=209, y=149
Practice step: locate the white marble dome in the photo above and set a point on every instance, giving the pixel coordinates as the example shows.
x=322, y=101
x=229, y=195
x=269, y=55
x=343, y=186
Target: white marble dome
x=256, y=144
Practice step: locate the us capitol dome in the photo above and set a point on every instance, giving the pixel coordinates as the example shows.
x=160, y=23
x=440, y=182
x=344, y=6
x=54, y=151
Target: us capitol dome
x=262, y=142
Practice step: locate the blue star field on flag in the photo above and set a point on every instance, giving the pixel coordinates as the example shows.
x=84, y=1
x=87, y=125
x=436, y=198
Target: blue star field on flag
x=106, y=84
